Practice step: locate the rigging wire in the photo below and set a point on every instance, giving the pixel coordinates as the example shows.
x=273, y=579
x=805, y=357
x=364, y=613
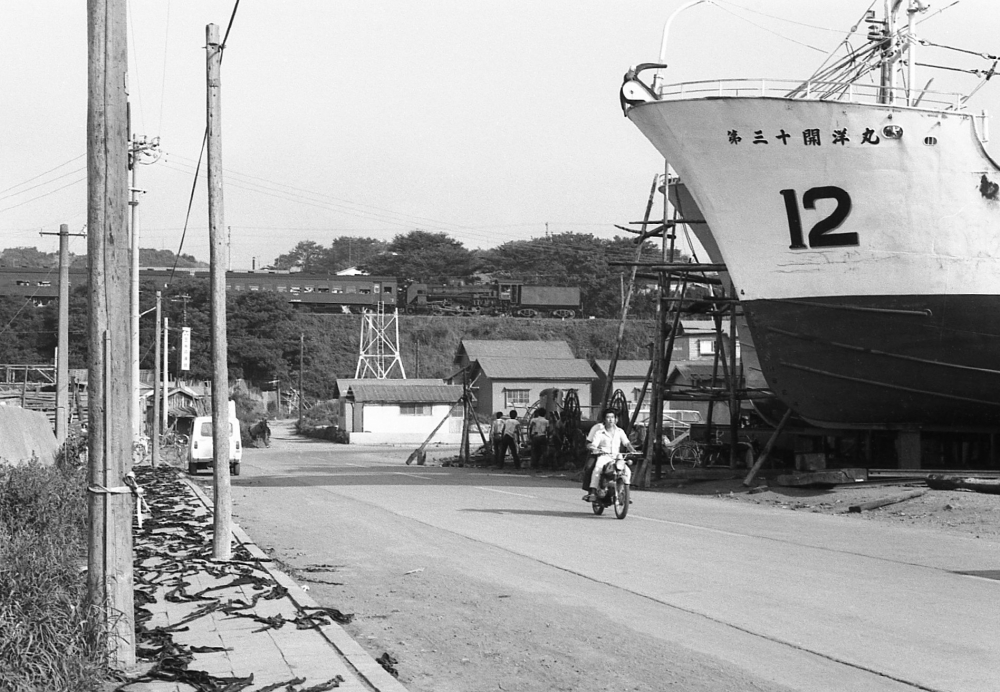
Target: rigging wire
x=845, y=41
x=984, y=56
x=770, y=31
x=785, y=19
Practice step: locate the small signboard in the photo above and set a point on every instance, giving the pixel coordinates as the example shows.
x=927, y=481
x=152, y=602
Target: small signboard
x=185, y=348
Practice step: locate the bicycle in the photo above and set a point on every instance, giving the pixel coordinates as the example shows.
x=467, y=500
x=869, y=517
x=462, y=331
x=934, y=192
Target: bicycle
x=140, y=450
x=687, y=454
x=173, y=442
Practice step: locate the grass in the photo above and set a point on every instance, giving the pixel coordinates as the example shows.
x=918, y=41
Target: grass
x=48, y=637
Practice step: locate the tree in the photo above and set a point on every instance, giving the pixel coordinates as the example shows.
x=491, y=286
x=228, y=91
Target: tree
x=149, y=257
x=21, y=325
x=308, y=255
x=79, y=344
x=263, y=337
x=28, y=257
x=348, y=251
x=574, y=259
x=344, y=252
x=424, y=256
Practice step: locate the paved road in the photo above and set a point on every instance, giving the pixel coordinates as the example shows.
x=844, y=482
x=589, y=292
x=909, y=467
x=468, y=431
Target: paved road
x=806, y=601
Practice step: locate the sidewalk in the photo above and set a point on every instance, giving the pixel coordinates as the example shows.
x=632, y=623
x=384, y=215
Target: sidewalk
x=223, y=627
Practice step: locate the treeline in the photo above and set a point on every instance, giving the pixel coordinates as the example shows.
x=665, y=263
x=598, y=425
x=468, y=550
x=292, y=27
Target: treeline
x=564, y=259
x=33, y=258
x=263, y=332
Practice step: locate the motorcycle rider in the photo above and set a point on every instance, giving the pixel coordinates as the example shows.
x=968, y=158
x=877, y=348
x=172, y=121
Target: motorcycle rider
x=606, y=440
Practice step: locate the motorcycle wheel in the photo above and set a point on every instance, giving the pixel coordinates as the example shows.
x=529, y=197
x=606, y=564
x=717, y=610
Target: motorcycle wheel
x=598, y=508
x=621, y=499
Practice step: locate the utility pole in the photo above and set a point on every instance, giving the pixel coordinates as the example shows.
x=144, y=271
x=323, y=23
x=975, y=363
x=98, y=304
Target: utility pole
x=140, y=148
x=302, y=350
x=62, y=347
x=222, y=533
x=156, y=429
x=62, y=357
x=166, y=374
x=109, y=575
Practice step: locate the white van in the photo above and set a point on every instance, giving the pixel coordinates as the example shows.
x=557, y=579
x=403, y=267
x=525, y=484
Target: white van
x=200, y=446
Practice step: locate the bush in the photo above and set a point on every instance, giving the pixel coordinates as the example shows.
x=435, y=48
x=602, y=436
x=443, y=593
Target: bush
x=323, y=414
x=48, y=634
x=321, y=420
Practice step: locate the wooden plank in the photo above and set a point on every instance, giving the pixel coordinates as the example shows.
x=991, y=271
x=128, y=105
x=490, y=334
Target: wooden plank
x=875, y=504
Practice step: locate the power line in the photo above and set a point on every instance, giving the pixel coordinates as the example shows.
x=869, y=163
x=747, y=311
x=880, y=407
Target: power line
x=21, y=204
x=64, y=163
x=21, y=192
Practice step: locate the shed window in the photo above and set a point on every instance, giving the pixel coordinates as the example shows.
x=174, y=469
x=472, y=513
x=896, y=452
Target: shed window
x=415, y=409
x=517, y=398
x=706, y=347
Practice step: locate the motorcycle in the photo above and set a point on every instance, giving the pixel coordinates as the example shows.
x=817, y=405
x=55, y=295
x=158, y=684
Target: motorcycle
x=613, y=490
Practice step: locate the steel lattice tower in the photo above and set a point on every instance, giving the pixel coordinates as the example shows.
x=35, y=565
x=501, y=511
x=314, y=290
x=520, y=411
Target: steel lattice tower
x=379, y=354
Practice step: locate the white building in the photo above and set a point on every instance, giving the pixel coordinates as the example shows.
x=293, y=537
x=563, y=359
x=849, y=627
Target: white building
x=401, y=411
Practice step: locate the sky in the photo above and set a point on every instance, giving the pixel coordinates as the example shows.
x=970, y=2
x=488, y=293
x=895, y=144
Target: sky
x=490, y=120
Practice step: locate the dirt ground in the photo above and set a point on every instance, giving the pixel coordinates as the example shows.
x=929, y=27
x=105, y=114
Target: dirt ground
x=963, y=512
x=954, y=511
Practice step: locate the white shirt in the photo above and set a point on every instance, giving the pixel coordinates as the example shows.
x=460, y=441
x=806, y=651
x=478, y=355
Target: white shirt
x=607, y=442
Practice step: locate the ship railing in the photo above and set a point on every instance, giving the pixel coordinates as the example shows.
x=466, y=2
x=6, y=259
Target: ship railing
x=810, y=90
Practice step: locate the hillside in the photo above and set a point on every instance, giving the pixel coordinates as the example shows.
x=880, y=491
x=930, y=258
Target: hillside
x=332, y=341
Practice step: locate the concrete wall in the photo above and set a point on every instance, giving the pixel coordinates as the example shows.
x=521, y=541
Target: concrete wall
x=384, y=424
x=24, y=434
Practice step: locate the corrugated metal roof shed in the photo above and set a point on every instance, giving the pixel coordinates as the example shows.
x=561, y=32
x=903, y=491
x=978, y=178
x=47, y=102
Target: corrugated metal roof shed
x=689, y=370
x=632, y=369
x=544, y=369
x=508, y=348
x=343, y=385
x=693, y=326
x=403, y=392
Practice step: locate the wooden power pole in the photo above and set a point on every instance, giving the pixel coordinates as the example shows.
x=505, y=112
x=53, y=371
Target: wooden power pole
x=109, y=576
x=62, y=340
x=62, y=358
x=155, y=431
x=302, y=351
x=223, y=528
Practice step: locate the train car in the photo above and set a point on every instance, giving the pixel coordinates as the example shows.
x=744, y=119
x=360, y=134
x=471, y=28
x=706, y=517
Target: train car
x=320, y=292
x=554, y=301
x=40, y=286
x=499, y=298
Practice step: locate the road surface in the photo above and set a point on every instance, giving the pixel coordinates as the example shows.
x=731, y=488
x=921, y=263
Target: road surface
x=474, y=579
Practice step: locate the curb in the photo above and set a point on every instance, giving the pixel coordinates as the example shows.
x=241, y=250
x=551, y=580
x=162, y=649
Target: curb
x=368, y=670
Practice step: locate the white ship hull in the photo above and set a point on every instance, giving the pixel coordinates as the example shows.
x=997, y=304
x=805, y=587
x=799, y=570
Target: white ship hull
x=863, y=241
